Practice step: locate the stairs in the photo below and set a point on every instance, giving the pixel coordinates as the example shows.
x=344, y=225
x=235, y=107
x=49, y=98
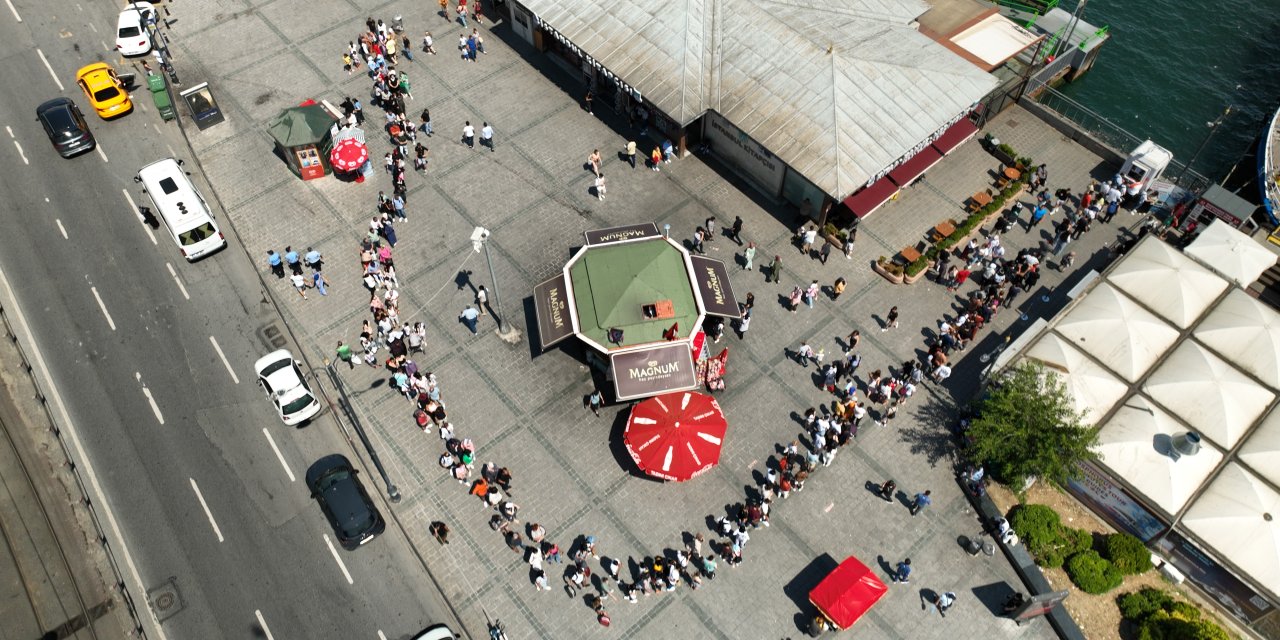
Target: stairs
x=1267, y=288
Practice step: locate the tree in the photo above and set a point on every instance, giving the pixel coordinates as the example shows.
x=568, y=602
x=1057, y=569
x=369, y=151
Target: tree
x=1026, y=426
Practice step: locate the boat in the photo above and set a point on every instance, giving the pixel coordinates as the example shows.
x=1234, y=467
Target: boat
x=1269, y=168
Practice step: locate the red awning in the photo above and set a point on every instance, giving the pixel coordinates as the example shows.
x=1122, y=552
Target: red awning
x=870, y=198
x=955, y=135
x=915, y=167
x=847, y=593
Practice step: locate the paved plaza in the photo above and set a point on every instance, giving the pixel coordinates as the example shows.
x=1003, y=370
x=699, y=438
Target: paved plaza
x=524, y=409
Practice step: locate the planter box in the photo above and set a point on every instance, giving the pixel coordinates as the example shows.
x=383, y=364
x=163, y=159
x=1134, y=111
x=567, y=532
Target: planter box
x=906, y=279
x=894, y=278
x=834, y=240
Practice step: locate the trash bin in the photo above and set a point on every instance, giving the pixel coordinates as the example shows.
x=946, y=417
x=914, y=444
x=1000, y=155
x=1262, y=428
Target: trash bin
x=160, y=96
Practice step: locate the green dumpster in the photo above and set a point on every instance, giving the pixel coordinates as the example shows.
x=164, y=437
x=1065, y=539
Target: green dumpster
x=161, y=96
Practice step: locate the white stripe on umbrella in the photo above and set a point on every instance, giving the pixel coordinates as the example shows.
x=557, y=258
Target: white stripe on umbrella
x=643, y=420
x=666, y=460
x=684, y=401
x=709, y=438
x=658, y=401
x=694, y=454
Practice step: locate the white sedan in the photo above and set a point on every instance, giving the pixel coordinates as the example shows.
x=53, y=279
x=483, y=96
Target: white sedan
x=132, y=36
x=280, y=377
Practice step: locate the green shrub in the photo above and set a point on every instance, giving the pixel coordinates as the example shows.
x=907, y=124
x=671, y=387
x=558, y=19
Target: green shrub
x=1093, y=573
x=1157, y=616
x=1040, y=528
x=1137, y=605
x=1128, y=554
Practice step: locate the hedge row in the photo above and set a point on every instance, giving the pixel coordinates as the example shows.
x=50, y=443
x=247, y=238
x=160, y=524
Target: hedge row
x=1054, y=544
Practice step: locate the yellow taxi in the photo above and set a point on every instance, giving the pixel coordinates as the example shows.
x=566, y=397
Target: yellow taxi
x=105, y=91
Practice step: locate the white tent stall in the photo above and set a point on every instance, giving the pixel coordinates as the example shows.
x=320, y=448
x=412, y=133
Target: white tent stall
x=1092, y=389
x=1236, y=516
x=1213, y=397
x=1117, y=331
x=1167, y=282
x=1231, y=253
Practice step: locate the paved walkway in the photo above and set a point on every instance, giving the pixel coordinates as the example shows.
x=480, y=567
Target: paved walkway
x=524, y=409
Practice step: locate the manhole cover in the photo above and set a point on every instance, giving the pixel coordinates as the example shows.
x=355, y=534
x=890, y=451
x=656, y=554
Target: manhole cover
x=165, y=600
x=273, y=337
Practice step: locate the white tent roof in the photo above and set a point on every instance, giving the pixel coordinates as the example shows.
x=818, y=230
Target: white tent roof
x=1237, y=517
x=1167, y=282
x=1128, y=446
x=1116, y=331
x=1093, y=390
x=838, y=91
x=1209, y=394
x=1246, y=332
x=1262, y=451
x=1231, y=253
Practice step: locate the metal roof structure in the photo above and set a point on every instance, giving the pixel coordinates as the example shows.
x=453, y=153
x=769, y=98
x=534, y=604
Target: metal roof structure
x=838, y=91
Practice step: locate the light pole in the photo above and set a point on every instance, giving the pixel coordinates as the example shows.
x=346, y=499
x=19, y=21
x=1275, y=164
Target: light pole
x=1213, y=128
x=479, y=240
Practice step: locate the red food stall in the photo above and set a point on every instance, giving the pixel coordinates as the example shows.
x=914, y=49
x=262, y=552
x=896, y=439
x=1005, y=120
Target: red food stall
x=847, y=593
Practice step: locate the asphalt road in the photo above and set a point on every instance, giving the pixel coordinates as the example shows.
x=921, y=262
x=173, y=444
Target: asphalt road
x=180, y=436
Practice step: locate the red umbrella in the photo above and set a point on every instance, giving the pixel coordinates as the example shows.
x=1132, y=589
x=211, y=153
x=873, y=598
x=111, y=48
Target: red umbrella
x=348, y=155
x=676, y=436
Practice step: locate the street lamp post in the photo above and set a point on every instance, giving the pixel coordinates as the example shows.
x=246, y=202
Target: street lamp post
x=479, y=240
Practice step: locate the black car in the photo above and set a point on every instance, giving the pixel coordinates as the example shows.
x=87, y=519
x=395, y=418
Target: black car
x=65, y=127
x=351, y=513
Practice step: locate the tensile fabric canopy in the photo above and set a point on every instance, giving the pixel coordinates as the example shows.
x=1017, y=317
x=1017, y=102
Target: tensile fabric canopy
x=847, y=593
x=675, y=436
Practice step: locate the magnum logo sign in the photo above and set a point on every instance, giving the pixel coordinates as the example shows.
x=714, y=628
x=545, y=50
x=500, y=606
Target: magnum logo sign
x=649, y=372
x=713, y=284
x=552, y=307
x=617, y=234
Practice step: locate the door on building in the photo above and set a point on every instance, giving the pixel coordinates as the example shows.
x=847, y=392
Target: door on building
x=521, y=23
x=606, y=92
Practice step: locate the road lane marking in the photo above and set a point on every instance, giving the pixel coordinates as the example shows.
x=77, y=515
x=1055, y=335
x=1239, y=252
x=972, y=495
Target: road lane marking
x=10, y=130
x=47, y=66
x=172, y=154
x=234, y=377
x=155, y=408
x=95, y=29
x=15, y=11
x=24, y=156
x=207, y=512
x=346, y=574
x=103, y=501
x=138, y=213
x=103, y=307
x=177, y=280
x=280, y=456
x=263, y=623
x=62, y=229
x=101, y=152
x=381, y=635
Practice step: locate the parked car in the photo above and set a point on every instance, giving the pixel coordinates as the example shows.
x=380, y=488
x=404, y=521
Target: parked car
x=65, y=126
x=286, y=387
x=353, y=516
x=439, y=631
x=104, y=89
x=132, y=36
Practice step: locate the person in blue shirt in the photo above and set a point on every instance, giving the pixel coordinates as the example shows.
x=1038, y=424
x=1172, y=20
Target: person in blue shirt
x=276, y=264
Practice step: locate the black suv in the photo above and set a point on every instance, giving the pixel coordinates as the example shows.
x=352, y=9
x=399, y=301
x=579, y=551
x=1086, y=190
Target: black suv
x=65, y=127
x=351, y=513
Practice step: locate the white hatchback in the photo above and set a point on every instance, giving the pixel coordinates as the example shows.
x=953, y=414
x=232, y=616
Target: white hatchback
x=286, y=387
x=132, y=36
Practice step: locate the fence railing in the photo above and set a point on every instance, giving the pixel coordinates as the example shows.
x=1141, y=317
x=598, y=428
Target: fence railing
x=85, y=498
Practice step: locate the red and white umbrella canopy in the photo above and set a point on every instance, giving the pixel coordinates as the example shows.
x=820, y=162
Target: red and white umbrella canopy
x=348, y=155
x=676, y=436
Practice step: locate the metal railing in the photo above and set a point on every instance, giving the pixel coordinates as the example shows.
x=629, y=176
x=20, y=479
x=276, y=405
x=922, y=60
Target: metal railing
x=98, y=530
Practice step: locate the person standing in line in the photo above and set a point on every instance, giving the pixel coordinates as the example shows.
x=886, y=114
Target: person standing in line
x=655, y=159
x=837, y=288
x=486, y=136
x=775, y=270
x=586, y=102
x=426, y=121
x=748, y=255
x=594, y=161
x=276, y=263
x=397, y=205
x=600, y=186
x=631, y=153
x=735, y=231
x=902, y=573
x=295, y=264
x=468, y=317
x=300, y=284
x=921, y=501
x=811, y=293
x=595, y=401
x=710, y=225
x=469, y=135
x=482, y=300
x=890, y=320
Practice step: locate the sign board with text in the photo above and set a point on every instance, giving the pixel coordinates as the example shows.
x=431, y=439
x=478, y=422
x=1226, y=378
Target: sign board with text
x=649, y=372
x=625, y=232
x=551, y=304
x=712, y=279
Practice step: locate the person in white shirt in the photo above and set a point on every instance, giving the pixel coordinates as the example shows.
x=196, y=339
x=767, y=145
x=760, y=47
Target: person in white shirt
x=469, y=135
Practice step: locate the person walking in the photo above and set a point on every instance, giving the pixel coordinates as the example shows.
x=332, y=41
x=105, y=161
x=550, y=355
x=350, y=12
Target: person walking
x=748, y=255
x=440, y=531
x=594, y=161
x=837, y=288
x=811, y=293
x=807, y=237
x=793, y=300
x=295, y=263
x=595, y=401
x=314, y=259
x=775, y=270
x=902, y=572
x=486, y=136
x=469, y=317
x=300, y=284
x=887, y=489
x=890, y=320
x=825, y=252
x=921, y=501
x=804, y=354
x=426, y=119
x=601, y=187
x=276, y=263
x=941, y=602
x=397, y=206
x=631, y=153
x=735, y=230
x=469, y=135
x=482, y=300
x=344, y=354
x=655, y=159
x=428, y=43
x=586, y=102
x=710, y=225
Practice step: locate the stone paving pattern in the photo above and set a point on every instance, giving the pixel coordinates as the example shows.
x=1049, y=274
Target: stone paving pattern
x=524, y=409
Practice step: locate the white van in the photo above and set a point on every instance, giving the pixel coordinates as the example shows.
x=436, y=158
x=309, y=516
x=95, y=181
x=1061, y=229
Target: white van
x=184, y=212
